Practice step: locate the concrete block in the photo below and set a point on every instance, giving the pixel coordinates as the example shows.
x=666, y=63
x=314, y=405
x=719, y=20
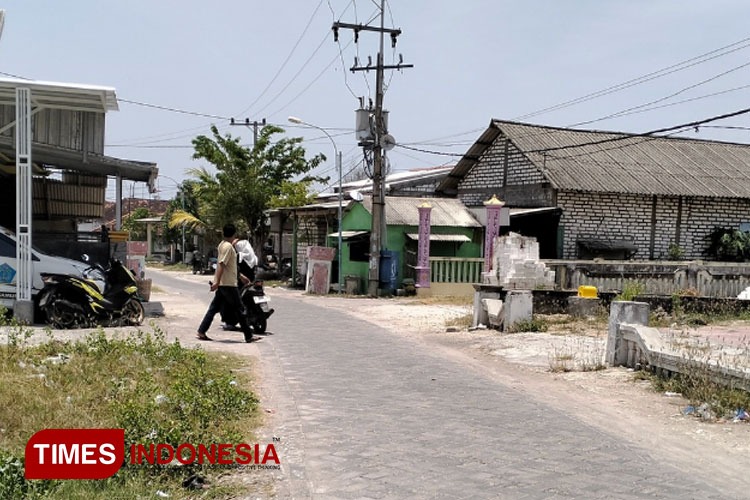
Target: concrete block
x=23, y=311
x=621, y=311
x=494, y=308
x=518, y=306
x=583, y=307
x=480, y=313
x=318, y=277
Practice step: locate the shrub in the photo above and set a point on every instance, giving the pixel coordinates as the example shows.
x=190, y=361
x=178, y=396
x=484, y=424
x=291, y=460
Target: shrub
x=534, y=324
x=675, y=252
x=631, y=290
x=729, y=245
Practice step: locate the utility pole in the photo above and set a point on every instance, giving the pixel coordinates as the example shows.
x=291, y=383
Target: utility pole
x=247, y=123
x=378, y=233
x=182, y=195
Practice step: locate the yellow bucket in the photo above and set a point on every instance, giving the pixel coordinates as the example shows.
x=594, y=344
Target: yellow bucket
x=588, y=292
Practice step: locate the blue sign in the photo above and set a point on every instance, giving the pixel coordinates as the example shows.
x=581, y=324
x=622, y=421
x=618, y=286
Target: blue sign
x=7, y=274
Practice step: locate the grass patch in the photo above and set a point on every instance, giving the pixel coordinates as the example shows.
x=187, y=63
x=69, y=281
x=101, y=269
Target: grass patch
x=535, y=324
x=159, y=392
x=698, y=388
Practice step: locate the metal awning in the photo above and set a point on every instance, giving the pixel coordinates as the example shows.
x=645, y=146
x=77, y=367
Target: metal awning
x=73, y=96
x=88, y=162
x=460, y=238
x=348, y=234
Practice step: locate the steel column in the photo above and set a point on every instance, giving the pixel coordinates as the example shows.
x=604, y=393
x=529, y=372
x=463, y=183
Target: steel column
x=23, y=308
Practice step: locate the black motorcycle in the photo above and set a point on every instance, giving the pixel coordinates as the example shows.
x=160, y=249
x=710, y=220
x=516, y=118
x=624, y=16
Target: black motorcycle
x=102, y=297
x=257, y=308
x=199, y=266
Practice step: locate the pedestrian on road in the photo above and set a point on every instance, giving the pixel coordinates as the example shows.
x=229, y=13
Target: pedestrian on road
x=247, y=258
x=225, y=287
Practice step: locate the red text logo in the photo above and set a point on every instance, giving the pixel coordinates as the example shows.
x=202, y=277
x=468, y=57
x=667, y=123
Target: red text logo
x=74, y=453
x=223, y=454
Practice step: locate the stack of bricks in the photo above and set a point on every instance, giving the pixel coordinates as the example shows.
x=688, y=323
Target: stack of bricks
x=516, y=265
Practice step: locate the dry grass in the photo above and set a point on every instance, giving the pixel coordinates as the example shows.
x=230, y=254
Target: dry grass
x=577, y=354
x=563, y=324
x=441, y=300
x=463, y=321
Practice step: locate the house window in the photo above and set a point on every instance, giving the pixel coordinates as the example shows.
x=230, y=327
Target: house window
x=359, y=250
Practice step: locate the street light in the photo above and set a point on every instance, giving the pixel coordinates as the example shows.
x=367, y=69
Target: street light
x=298, y=121
x=180, y=188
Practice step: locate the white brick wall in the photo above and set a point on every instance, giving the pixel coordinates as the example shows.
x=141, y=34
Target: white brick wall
x=625, y=216
x=487, y=173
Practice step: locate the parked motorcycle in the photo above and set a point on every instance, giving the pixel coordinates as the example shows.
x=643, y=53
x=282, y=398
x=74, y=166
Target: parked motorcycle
x=103, y=297
x=257, y=308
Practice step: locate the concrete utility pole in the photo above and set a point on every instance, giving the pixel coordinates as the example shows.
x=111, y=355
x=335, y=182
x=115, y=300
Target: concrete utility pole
x=247, y=123
x=377, y=235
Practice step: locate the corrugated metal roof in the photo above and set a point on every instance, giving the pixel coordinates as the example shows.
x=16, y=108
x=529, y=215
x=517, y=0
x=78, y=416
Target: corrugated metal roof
x=631, y=164
x=461, y=238
x=402, y=211
x=59, y=95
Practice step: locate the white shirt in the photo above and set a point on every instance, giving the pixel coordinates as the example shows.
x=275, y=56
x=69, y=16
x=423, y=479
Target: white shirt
x=246, y=253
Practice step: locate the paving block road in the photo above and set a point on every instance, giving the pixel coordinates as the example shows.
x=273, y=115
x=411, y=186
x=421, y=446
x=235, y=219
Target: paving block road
x=363, y=412
x=376, y=415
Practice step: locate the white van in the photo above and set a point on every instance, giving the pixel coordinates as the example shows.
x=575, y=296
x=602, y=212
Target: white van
x=41, y=263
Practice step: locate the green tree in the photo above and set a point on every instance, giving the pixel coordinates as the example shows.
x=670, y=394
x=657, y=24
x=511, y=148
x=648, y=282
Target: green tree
x=247, y=180
x=173, y=233
x=137, y=229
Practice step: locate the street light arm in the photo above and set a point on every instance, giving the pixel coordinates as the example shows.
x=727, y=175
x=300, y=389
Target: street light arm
x=298, y=121
x=337, y=160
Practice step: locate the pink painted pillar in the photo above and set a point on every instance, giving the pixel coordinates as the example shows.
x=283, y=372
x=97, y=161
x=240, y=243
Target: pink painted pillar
x=493, y=228
x=423, y=248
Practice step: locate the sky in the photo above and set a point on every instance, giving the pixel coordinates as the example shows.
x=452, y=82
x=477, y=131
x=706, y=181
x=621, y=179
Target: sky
x=474, y=60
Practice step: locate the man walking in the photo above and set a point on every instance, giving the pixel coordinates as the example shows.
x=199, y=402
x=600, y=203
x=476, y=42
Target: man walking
x=225, y=286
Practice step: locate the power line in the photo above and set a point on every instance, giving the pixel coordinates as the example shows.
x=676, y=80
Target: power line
x=280, y=92
x=308, y=85
x=662, y=99
x=283, y=65
x=725, y=127
x=688, y=63
x=645, y=134
x=341, y=52
x=172, y=109
x=440, y=153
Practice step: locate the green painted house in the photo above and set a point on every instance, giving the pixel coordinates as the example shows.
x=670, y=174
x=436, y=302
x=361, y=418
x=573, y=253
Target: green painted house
x=454, y=233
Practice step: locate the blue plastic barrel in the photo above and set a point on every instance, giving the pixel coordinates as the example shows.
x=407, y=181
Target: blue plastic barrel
x=388, y=269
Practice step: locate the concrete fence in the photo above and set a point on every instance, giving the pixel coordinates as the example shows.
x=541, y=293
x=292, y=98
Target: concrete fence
x=456, y=269
x=709, y=279
x=632, y=343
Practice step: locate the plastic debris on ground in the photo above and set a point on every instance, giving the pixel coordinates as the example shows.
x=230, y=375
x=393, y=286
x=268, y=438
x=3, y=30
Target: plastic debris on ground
x=741, y=416
x=195, y=482
x=688, y=410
